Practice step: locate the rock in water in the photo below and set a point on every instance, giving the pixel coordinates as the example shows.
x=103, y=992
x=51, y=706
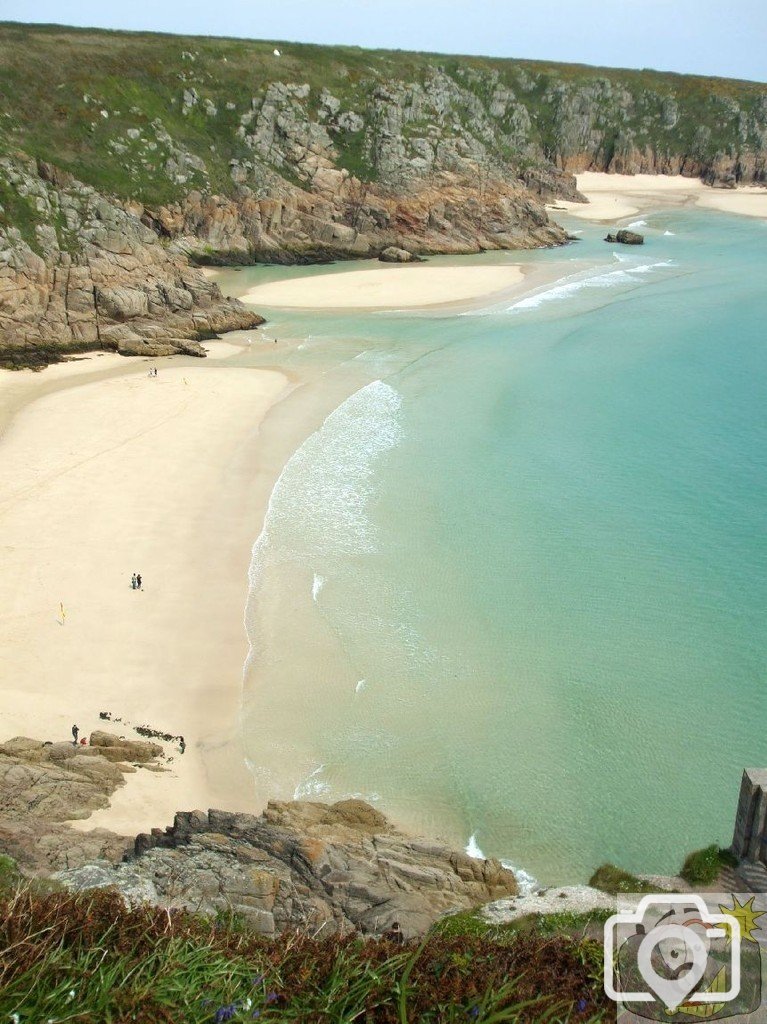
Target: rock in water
x=625, y=237
x=394, y=255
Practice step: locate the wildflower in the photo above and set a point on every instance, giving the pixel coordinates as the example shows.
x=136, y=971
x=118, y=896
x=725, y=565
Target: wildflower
x=247, y=1003
x=474, y=1012
x=256, y=1013
x=272, y=997
x=224, y=1013
x=15, y=1018
x=581, y=1005
x=257, y=980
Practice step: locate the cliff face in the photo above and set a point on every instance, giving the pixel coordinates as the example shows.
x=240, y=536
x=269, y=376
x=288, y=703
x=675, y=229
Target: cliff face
x=144, y=150
x=91, y=275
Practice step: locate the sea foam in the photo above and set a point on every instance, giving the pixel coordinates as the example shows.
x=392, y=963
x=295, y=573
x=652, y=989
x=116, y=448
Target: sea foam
x=312, y=785
x=599, y=278
x=527, y=883
x=317, y=584
x=318, y=505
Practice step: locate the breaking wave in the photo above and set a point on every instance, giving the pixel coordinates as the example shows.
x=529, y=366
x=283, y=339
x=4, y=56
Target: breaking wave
x=602, y=278
x=318, y=505
x=312, y=785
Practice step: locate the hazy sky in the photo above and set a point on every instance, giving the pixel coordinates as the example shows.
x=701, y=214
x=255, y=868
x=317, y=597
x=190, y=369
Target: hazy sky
x=715, y=37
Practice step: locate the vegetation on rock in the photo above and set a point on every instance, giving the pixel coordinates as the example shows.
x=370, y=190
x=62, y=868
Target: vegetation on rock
x=702, y=867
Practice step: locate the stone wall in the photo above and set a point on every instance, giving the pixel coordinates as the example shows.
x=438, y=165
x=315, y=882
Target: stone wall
x=749, y=841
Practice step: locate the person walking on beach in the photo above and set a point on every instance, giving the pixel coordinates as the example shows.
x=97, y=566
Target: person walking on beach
x=75, y=731
x=133, y=581
x=138, y=581
x=182, y=744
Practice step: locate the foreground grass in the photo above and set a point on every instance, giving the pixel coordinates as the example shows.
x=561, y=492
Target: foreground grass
x=87, y=959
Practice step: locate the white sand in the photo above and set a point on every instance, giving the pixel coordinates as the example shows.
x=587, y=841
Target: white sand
x=117, y=475
x=614, y=197
x=388, y=287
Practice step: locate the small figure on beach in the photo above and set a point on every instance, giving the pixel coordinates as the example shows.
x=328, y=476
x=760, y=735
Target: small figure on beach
x=138, y=581
x=181, y=744
x=152, y=371
x=75, y=731
x=133, y=581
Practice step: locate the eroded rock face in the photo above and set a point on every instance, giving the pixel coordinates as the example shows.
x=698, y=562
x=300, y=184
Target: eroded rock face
x=306, y=865
x=445, y=212
x=92, y=275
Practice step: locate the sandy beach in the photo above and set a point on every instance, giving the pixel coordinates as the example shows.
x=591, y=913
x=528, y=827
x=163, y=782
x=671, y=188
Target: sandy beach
x=411, y=286
x=615, y=197
x=108, y=472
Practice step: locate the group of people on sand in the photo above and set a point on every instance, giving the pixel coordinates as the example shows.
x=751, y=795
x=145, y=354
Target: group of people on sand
x=152, y=371
x=136, y=582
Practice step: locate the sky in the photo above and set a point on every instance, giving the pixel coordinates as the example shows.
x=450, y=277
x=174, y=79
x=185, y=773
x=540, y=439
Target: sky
x=710, y=37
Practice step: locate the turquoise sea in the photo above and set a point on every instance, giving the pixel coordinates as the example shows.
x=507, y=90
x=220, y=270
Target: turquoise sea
x=514, y=589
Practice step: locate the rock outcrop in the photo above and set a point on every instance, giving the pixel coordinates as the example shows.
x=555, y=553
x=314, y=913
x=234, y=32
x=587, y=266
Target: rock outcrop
x=89, y=274
x=331, y=869
x=43, y=785
x=625, y=237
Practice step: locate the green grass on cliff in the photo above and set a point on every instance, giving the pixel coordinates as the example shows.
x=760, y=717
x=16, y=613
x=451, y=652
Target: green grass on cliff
x=88, y=959
x=56, y=81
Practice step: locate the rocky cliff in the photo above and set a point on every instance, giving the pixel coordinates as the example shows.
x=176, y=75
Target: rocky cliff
x=91, y=275
x=144, y=153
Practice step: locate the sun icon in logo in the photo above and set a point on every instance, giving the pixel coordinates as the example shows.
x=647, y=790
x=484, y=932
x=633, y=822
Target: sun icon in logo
x=745, y=915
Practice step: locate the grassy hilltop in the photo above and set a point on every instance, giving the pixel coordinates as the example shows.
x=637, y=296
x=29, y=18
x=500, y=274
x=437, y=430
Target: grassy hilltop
x=56, y=82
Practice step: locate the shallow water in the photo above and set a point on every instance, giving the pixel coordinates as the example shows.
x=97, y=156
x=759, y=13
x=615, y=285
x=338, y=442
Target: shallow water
x=515, y=589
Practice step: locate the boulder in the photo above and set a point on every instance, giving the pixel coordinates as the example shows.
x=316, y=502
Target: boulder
x=394, y=255
x=624, y=237
x=117, y=748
